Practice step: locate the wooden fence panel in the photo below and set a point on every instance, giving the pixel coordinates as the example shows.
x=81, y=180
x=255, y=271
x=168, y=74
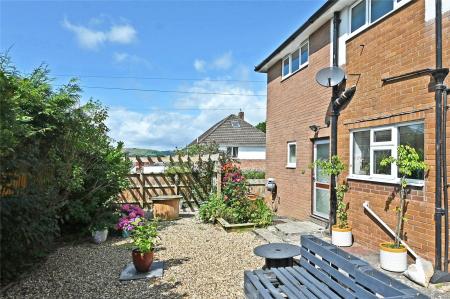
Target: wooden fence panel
x=145, y=186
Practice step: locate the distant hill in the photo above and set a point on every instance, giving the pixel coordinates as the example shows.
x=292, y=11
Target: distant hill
x=146, y=152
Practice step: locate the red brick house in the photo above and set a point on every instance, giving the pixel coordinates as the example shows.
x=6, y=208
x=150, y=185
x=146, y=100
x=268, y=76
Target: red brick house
x=378, y=39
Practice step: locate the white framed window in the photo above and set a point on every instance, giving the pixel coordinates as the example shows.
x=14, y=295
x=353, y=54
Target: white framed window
x=233, y=151
x=296, y=60
x=368, y=147
x=291, y=155
x=365, y=12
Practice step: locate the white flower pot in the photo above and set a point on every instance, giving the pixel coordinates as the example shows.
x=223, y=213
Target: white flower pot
x=99, y=236
x=341, y=237
x=393, y=259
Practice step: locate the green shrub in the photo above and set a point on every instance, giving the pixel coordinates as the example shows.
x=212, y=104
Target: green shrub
x=212, y=209
x=254, y=174
x=262, y=215
x=28, y=228
x=73, y=168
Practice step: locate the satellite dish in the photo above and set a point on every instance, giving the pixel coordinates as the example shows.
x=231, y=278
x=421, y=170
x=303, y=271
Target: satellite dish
x=330, y=76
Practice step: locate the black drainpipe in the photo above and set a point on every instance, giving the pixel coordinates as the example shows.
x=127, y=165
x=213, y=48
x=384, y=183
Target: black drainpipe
x=439, y=76
x=334, y=120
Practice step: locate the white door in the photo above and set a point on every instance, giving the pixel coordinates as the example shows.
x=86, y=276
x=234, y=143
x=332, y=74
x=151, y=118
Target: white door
x=321, y=181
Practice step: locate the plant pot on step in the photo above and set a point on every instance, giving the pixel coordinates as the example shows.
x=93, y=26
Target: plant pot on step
x=99, y=236
x=142, y=261
x=392, y=258
x=341, y=237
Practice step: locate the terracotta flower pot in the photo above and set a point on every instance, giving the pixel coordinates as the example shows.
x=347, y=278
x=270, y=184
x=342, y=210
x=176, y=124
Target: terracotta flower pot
x=393, y=259
x=341, y=237
x=142, y=261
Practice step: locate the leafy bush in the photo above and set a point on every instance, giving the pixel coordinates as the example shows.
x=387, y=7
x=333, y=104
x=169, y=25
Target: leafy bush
x=212, y=209
x=72, y=168
x=254, y=174
x=29, y=226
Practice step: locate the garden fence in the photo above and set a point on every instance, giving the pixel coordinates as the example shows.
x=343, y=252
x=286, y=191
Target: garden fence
x=179, y=177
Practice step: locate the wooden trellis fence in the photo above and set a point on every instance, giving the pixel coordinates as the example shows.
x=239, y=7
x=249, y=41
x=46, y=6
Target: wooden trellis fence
x=180, y=176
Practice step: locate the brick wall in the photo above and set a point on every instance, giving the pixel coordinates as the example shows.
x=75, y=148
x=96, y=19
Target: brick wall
x=401, y=43
x=293, y=104
x=256, y=164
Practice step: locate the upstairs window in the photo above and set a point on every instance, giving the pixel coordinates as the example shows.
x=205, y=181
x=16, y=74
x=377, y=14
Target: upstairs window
x=365, y=12
x=379, y=8
x=296, y=60
x=358, y=15
x=286, y=68
x=235, y=124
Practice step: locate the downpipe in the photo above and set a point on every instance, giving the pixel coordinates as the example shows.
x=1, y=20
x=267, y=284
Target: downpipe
x=441, y=186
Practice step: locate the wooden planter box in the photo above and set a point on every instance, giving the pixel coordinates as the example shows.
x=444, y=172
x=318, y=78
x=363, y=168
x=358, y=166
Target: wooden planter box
x=166, y=207
x=239, y=227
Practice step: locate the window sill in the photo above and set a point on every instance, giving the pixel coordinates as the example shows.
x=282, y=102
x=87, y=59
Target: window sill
x=415, y=183
x=291, y=166
x=303, y=66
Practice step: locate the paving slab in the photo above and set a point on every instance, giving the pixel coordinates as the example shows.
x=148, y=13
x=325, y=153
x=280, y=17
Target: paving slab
x=268, y=235
x=299, y=228
x=130, y=273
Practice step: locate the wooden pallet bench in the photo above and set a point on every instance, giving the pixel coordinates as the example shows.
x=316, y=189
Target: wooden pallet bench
x=325, y=271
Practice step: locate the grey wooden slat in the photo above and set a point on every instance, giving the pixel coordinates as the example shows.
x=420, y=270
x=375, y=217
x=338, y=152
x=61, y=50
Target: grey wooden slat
x=261, y=290
x=329, y=255
x=298, y=283
x=327, y=280
x=299, y=292
x=343, y=279
x=314, y=242
x=384, y=285
x=265, y=281
x=314, y=285
x=287, y=291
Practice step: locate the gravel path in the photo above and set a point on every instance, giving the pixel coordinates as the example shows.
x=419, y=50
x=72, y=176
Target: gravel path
x=201, y=261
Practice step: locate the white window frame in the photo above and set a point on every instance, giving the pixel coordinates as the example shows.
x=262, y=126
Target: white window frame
x=388, y=145
x=369, y=22
x=289, y=56
x=232, y=151
x=288, y=164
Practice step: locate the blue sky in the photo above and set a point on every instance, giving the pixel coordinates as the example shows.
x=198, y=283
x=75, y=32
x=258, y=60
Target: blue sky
x=122, y=44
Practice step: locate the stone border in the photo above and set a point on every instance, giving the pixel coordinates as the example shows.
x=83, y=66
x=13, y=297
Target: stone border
x=235, y=227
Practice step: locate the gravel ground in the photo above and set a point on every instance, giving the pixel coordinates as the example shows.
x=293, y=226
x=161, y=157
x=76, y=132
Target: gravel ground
x=201, y=261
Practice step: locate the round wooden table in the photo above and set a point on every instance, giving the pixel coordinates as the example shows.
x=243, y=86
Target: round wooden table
x=166, y=207
x=278, y=254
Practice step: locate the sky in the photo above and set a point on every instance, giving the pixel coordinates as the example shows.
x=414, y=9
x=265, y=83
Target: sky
x=166, y=70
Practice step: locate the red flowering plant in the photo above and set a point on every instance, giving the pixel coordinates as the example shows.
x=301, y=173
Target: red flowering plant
x=234, y=185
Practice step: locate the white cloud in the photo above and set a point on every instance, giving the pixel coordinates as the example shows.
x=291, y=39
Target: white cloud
x=123, y=57
x=90, y=38
x=199, y=65
x=223, y=62
x=166, y=129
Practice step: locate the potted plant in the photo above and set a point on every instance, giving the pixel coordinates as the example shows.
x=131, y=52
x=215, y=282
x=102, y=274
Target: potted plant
x=144, y=238
x=341, y=232
x=102, y=222
x=130, y=213
x=393, y=255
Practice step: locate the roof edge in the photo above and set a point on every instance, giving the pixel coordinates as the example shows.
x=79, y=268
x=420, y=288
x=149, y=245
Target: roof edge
x=302, y=28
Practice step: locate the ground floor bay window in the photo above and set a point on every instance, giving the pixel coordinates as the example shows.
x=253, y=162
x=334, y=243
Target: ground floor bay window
x=368, y=147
